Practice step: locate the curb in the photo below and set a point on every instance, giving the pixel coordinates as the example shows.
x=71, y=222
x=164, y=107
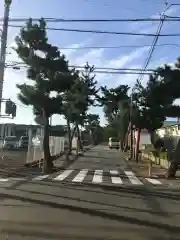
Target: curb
x=37, y=162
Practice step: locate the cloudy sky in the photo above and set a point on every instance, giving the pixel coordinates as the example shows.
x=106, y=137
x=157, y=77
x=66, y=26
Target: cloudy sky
x=123, y=52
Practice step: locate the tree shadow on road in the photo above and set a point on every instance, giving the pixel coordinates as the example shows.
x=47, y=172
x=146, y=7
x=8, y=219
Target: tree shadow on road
x=167, y=228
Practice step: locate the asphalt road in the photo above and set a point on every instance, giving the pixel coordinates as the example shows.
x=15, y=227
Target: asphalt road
x=80, y=210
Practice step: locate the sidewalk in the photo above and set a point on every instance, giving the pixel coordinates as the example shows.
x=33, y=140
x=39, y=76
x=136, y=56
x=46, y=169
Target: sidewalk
x=62, y=162
x=142, y=168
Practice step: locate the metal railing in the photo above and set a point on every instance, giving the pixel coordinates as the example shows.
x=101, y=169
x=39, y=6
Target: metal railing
x=35, y=148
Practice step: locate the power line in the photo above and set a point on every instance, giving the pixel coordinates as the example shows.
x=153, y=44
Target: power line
x=152, y=47
x=14, y=64
x=155, y=40
x=172, y=17
x=61, y=20
x=116, y=47
x=152, y=1
x=141, y=76
x=100, y=72
x=105, y=32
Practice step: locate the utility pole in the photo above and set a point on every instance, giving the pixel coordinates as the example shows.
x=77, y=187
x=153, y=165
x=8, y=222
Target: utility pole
x=7, y=4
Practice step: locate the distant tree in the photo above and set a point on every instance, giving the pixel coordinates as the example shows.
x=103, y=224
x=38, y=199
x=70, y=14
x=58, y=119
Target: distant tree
x=116, y=108
x=93, y=126
x=49, y=72
x=78, y=99
x=155, y=101
x=148, y=112
x=167, y=92
x=111, y=99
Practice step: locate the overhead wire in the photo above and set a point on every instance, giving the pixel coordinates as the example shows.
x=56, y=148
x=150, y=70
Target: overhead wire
x=104, y=32
x=102, y=71
x=116, y=47
x=152, y=48
x=98, y=70
x=62, y=20
x=16, y=63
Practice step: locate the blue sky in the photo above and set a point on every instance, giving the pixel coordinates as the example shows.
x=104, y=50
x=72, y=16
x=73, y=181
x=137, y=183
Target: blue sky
x=122, y=57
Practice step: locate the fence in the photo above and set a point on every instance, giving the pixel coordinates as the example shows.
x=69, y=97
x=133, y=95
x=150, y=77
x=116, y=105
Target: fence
x=11, y=158
x=35, y=146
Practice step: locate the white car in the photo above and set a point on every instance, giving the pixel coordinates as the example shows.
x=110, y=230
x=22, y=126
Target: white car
x=10, y=142
x=113, y=143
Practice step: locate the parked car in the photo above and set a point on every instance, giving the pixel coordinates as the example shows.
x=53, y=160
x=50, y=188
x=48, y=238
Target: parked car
x=113, y=143
x=23, y=142
x=10, y=142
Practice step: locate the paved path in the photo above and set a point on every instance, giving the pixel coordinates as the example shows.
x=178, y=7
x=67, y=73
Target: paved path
x=46, y=209
x=98, y=166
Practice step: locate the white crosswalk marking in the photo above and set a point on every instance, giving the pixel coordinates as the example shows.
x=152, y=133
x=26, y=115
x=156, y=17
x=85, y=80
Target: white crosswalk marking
x=97, y=176
x=39, y=178
x=153, y=181
x=80, y=176
x=115, y=178
x=63, y=175
x=4, y=179
x=132, y=178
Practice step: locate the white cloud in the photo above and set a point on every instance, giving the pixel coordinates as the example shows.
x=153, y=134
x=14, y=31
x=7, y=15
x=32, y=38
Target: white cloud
x=96, y=58
x=72, y=49
x=170, y=11
x=93, y=57
x=123, y=60
x=150, y=27
x=12, y=77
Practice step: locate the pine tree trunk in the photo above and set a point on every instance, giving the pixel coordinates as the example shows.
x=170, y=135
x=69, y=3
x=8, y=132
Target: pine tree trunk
x=47, y=164
x=69, y=137
x=79, y=137
x=137, y=145
x=122, y=145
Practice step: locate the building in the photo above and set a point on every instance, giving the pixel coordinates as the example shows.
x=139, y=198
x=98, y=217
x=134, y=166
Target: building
x=169, y=128
x=12, y=129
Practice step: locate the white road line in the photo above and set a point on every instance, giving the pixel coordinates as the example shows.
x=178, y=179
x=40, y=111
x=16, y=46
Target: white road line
x=153, y=181
x=63, y=175
x=80, y=176
x=4, y=179
x=97, y=176
x=39, y=178
x=132, y=178
x=115, y=178
x=17, y=179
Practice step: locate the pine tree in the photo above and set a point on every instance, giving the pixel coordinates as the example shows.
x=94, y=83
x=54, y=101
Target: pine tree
x=48, y=70
x=78, y=99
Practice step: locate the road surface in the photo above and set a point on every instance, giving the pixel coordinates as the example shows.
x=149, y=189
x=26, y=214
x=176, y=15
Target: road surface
x=110, y=207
